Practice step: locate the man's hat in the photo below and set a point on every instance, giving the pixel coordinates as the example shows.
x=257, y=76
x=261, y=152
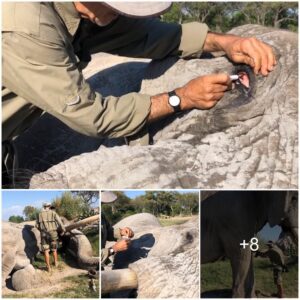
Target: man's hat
x=46, y=204
x=270, y=243
x=107, y=197
x=139, y=9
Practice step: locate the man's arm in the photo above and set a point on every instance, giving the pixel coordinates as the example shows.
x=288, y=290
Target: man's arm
x=59, y=221
x=46, y=75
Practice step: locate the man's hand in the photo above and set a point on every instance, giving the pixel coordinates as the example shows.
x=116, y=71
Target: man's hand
x=126, y=231
x=250, y=51
x=121, y=246
x=204, y=92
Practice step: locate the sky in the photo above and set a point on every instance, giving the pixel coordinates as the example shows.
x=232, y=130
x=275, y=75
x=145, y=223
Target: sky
x=13, y=202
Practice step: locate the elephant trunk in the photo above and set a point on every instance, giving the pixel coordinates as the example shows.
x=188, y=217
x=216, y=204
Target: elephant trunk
x=117, y=280
x=80, y=247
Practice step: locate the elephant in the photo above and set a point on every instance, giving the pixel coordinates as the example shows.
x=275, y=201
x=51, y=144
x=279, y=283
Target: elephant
x=249, y=140
x=164, y=259
x=230, y=217
x=20, y=245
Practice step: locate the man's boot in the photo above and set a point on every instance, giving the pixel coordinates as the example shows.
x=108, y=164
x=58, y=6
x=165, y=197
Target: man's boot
x=55, y=258
x=280, y=291
x=47, y=260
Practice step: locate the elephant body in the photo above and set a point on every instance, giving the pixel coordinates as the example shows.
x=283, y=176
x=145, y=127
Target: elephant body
x=20, y=245
x=165, y=259
x=230, y=217
x=245, y=141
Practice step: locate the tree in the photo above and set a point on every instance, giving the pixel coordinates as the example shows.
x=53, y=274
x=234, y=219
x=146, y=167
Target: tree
x=71, y=207
x=30, y=213
x=16, y=219
x=89, y=197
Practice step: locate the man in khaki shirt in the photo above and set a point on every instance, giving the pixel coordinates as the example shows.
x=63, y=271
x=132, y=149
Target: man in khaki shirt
x=45, y=45
x=48, y=222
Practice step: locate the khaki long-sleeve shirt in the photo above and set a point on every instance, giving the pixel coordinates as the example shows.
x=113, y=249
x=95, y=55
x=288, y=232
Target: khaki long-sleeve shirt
x=48, y=220
x=45, y=45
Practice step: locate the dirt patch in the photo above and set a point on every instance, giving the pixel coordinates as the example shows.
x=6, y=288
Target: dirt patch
x=52, y=283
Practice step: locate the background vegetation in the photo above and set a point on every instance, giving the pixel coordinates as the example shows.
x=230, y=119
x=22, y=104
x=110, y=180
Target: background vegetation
x=71, y=205
x=160, y=204
x=222, y=16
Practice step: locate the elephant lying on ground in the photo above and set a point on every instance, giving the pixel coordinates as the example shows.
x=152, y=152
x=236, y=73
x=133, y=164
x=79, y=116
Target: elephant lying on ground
x=165, y=259
x=248, y=140
x=229, y=217
x=20, y=245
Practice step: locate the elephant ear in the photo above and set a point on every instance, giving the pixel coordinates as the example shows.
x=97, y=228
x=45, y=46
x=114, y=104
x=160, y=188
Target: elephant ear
x=276, y=208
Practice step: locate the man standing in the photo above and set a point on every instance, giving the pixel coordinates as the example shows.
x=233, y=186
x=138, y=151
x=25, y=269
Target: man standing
x=276, y=257
x=48, y=223
x=108, y=233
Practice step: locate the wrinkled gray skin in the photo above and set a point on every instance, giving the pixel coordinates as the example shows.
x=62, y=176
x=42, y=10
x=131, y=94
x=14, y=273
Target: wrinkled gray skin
x=244, y=142
x=20, y=245
x=166, y=259
x=228, y=218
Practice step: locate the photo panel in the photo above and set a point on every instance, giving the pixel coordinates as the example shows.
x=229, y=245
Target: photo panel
x=50, y=244
x=150, y=244
x=249, y=244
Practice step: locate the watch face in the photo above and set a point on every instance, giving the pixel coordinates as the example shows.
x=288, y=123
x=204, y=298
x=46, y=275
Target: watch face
x=174, y=100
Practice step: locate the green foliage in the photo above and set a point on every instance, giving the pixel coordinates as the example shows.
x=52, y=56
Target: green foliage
x=222, y=16
x=30, y=213
x=157, y=203
x=71, y=207
x=16, y=219
x=79, y=288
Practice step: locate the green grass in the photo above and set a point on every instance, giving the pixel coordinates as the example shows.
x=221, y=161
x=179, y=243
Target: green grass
x=173, y=221
x=217, y=276
x=79, y=288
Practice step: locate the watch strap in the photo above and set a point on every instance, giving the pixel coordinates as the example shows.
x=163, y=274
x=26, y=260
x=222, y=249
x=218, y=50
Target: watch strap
x=176, y=108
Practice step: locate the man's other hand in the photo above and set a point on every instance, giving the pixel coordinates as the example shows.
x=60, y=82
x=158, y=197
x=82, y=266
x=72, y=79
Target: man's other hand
x=127, y=232
x=205, y=91
x=250, y=51
x=121, y=246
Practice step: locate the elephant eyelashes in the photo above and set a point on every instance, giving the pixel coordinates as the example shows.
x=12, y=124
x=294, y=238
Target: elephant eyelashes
x=246, y=81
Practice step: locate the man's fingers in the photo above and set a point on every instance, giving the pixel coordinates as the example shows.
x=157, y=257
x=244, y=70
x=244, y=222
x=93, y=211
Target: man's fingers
x=271, y=57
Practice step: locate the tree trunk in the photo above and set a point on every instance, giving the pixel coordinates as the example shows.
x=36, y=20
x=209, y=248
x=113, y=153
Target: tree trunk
x=83, y=222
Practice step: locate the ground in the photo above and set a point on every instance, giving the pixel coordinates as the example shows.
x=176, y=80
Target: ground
x=216, y=279
x=177, y=220
x=66, y=281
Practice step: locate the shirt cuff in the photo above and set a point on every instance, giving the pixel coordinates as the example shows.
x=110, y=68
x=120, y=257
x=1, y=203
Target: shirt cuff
x=192, y=39
x=117, y=234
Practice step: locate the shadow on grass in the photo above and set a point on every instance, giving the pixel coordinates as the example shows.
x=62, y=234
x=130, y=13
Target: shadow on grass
x=224, y=293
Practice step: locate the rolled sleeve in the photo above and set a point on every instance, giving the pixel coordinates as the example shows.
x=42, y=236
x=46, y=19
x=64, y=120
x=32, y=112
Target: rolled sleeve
x=117, y=233
x=104, y=255
x=192, y=39
x=46, y=75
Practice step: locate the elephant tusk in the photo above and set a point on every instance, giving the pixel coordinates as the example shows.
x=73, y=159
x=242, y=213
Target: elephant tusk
x=117, y=280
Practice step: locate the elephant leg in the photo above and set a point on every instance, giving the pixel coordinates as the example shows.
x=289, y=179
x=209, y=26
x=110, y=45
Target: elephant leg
x=8, y=264
x=242, y=274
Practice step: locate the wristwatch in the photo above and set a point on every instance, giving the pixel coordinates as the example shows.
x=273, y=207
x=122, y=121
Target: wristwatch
x=111, y=251
x=174, y=101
